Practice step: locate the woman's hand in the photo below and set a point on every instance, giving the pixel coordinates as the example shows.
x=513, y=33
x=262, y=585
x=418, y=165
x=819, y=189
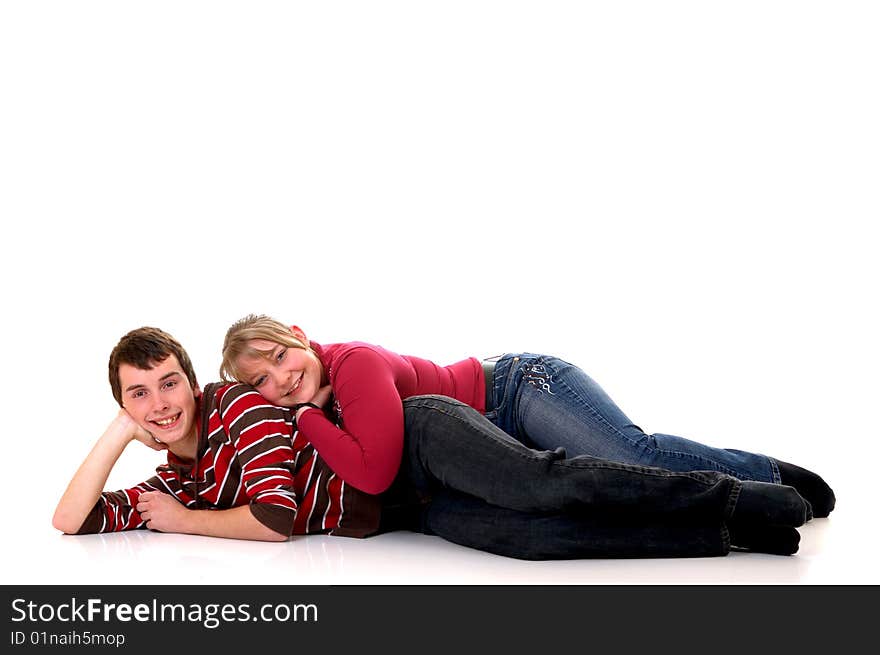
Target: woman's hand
x=322, y=395
x=320, y=399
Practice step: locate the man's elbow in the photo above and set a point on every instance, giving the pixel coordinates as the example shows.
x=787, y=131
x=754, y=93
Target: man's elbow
x=262, y=532
x=275, y=536
x=265, y=533
x=65, y=523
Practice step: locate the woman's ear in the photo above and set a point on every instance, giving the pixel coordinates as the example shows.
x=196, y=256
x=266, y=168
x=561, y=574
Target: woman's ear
x=299, y=334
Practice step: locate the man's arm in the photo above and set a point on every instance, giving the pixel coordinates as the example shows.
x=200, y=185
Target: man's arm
x=164, y=513
x=85, y=488
x=160, y=511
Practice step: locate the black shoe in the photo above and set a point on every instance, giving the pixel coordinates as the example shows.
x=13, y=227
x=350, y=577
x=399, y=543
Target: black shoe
x=772, y=539
x=810, y=486
x=763, y=503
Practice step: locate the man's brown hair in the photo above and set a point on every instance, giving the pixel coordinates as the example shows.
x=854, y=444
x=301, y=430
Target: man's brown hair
x=144, y=348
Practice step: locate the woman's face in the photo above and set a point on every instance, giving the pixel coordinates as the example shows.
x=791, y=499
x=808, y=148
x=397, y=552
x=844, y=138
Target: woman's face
x=289, y=376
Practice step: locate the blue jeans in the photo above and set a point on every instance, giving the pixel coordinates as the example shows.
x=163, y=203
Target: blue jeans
x=547, y=403
x=481, y=488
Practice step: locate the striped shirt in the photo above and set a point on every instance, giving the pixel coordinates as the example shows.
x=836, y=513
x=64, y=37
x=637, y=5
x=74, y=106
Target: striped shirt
x=247, y=457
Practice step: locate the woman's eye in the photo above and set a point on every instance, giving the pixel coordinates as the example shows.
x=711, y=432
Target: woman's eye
x=259, y=381
x=281, y=354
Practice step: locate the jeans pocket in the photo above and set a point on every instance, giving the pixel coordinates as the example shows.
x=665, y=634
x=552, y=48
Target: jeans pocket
x=505, y=371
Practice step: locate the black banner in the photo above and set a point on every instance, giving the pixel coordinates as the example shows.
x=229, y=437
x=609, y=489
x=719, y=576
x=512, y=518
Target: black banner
x=402, y=618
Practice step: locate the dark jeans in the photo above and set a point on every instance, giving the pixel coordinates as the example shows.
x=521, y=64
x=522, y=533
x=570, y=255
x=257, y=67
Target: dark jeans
x=481, y=488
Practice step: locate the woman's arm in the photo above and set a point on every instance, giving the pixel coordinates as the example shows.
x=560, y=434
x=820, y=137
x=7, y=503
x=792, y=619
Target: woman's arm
x=366, y=451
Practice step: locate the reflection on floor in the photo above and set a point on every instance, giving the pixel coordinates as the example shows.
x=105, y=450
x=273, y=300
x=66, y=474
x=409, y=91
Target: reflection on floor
x=142, y=557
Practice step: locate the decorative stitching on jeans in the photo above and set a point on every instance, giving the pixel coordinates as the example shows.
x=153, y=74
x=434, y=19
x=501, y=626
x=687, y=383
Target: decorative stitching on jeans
x=536, y=375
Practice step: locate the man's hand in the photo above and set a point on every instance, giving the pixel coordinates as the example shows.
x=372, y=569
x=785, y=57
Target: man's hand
x=163, y=513
x=127, y=425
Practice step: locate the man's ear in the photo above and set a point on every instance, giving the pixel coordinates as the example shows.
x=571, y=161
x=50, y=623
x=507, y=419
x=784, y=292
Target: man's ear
x=197, y=392
x=299, y=334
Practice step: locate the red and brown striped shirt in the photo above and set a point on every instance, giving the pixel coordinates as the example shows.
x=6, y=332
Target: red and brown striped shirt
x=247, y=457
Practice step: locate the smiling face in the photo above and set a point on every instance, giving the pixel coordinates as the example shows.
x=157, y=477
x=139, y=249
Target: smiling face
x=286, y=376
x=162, y=402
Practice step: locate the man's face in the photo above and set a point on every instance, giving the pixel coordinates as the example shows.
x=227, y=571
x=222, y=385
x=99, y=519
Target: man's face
x=161, y=401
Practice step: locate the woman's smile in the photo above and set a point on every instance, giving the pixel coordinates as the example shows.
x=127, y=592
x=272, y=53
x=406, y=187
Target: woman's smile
x=295, y=386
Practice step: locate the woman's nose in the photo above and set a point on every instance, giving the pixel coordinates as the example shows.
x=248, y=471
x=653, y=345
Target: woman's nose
x=279, y=378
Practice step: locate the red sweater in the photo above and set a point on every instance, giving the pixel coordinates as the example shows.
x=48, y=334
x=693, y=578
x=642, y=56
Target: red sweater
x=369, y=384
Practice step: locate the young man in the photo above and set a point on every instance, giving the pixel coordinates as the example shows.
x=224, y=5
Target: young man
x=232, y=468
x=238, y=468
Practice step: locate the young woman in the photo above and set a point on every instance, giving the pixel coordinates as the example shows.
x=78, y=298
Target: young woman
x=541, y=401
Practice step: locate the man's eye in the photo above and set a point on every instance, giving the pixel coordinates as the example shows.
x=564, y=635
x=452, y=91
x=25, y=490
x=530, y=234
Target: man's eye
x=139, y=394
x=170, y=384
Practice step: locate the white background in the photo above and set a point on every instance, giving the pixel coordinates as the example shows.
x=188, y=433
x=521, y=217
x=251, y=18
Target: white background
x=680, y=197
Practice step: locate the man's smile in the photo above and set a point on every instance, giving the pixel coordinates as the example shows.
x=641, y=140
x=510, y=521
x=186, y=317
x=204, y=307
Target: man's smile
x=167, y=422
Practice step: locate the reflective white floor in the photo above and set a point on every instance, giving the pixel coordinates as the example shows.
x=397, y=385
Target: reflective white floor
x=837, y=550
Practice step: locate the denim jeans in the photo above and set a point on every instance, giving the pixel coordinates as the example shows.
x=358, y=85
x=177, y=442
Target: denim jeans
x=547, y=403
x=484, y=489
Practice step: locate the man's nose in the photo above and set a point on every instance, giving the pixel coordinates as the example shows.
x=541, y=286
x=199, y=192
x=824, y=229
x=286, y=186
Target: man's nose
x=160, y=404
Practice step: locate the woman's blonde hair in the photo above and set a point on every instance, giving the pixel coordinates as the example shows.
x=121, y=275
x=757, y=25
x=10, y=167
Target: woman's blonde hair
x=253, y=326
